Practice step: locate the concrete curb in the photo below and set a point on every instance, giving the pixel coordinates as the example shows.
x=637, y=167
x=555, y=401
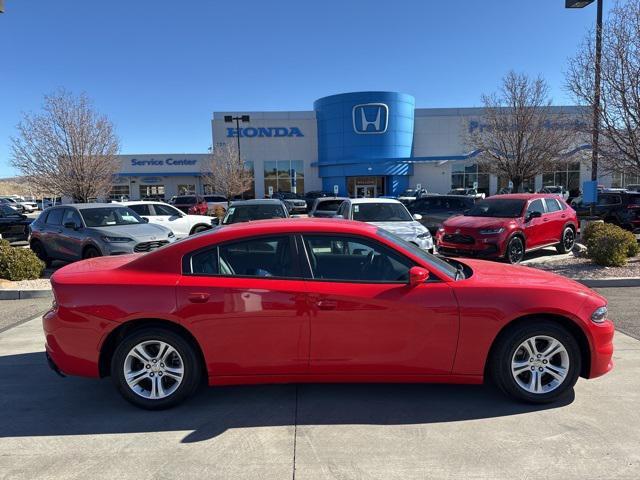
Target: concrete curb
x=610, y=282
x=24, y=294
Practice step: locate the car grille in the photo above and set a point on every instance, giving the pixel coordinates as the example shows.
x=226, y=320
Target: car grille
x=148, y=246
x=458, y=238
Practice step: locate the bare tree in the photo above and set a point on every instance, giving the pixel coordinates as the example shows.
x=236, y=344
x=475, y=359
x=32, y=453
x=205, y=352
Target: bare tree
x=620, y=86
x=519, y=134
x=225, y=172
x=68, y=149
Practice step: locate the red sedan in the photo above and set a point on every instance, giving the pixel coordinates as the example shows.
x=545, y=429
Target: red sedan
x=313, y=300
x=507, y=226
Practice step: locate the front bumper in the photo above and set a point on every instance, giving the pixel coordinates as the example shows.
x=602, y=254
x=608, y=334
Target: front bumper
x=483, y=246
x=601, y=348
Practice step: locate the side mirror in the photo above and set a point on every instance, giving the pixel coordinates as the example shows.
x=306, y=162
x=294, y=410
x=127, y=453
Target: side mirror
x=417, y=216
x=71, y=225
x=145, y=219
x=417, y=276
x=531, y=215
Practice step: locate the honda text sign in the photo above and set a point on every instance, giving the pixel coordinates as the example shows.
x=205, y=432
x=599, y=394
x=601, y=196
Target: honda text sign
x=370, y=118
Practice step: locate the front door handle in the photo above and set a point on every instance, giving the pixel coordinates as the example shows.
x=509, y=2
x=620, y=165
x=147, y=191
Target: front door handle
x=198, y=297
x=327, y=304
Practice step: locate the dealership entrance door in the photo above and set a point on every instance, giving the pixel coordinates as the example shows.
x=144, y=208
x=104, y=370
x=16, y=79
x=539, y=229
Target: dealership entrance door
x=366, y=187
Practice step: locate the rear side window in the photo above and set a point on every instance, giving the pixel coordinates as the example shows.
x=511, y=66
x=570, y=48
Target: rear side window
x=140, y=209
x=259, y=257
x=55, y=217
x=552, y=205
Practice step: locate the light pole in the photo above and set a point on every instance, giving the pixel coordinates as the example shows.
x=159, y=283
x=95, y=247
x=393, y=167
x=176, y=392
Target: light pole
x=596, y=82
x=241, y=118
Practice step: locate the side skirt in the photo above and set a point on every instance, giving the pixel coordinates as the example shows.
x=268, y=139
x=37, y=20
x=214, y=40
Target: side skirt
x=266, y=379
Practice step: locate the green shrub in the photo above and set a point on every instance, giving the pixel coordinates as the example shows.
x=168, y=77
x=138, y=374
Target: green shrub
x=19, y=263
x=610, y=245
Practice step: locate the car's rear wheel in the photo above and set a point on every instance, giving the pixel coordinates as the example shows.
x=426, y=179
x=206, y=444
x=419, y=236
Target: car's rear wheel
x=41, y=253
x=537, y=362
x=515, y=250
x=155, y=368
x=91, y=252
x=567, y=241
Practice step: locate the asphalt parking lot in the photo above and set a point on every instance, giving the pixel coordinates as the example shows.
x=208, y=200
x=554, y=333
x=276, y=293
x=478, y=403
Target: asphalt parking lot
x=54, y=427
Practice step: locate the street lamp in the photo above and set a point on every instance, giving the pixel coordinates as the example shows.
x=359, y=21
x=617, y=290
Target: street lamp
x=596, y=82
x=241, y=118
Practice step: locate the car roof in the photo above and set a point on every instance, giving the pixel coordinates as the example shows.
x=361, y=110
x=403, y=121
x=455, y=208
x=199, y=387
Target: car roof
x=374, y=200
x=257, y=201
x=523, y=196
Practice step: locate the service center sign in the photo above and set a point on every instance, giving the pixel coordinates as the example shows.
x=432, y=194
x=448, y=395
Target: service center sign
x=161, y=162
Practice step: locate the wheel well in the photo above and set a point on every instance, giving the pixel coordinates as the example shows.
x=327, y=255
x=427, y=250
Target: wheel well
x=521, y=236
x=197, y=225
x=569, y=325
x=117, y=335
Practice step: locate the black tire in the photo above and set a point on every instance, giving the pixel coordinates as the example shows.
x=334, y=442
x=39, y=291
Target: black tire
x=198, y=229
x=504, y=353
x=515, y=250
x=41, y=253
x=192, y=369
x=91, y=252
x=567, y=241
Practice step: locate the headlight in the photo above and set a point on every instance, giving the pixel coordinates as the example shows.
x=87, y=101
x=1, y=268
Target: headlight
x=117, y=239
x=599, y=315
x=426, y=234
x=492, y=231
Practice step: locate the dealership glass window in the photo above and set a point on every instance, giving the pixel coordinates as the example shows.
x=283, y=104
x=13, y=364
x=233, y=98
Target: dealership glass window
x=119, y=191
x=283, y=176
x=528, y=185
x=567, y=176
x=152, y=191
x=464, y=176
x=621, y=179
x=186, y=189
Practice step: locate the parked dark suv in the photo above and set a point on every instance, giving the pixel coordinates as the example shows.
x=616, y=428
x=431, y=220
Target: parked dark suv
x=436, y=209
x=620, y=208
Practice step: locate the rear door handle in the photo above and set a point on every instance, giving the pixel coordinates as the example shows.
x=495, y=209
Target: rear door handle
x=327, y=304
x=198, y=297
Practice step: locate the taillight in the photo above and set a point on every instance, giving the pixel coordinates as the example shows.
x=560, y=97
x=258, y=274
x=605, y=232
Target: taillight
x=633, y=207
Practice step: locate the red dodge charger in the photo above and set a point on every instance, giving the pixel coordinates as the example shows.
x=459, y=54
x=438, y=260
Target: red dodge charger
x=317, y=300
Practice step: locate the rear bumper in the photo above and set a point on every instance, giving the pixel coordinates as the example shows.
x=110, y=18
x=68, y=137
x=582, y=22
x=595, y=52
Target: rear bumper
x=52, y=365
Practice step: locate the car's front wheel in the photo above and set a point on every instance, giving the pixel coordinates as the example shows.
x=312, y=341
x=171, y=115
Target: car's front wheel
x=515, y=250
x=537, y=362
x=155, y=368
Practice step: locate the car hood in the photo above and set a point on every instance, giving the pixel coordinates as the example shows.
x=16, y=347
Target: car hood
x=517, y=275
x=402, y=229
x=140, y=232
x=462, y=221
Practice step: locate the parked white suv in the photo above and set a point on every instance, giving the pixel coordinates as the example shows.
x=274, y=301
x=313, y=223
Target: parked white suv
x=169, y=216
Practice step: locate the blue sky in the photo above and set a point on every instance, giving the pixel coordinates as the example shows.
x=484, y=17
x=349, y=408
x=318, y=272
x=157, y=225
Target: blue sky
x=159, y=68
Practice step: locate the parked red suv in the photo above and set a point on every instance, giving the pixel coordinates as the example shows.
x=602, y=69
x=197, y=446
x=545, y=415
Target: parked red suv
x=507, y=226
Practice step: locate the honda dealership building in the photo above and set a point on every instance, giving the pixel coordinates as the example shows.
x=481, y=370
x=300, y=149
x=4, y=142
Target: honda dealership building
x=362, y=144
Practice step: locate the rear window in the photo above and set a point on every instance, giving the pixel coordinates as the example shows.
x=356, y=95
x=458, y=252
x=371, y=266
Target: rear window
x=247, y=213
x=186, y=199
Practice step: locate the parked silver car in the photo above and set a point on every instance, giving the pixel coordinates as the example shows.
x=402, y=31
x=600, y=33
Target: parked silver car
x=74, y=232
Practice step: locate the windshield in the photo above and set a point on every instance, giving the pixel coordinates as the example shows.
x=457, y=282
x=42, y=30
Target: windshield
x=110, y=216
x=246, y=213
x=330, y=205
x=430, y=259
x=498, y=207
x=7, y=210
x=381, y=212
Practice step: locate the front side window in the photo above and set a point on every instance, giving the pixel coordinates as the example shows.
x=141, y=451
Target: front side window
x=109, y=217
x=71, y=216
x=55, y=217
x=142, y=209
x=260, y=257
x=354, y=259
x=536, y=206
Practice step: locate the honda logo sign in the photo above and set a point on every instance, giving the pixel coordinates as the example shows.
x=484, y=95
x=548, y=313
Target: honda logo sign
x=370, y=118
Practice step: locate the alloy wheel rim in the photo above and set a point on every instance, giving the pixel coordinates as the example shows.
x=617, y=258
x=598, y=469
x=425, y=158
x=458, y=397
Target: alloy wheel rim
x=153, y=369
x=515, y=251
x=568, y=239
x=540, y=364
